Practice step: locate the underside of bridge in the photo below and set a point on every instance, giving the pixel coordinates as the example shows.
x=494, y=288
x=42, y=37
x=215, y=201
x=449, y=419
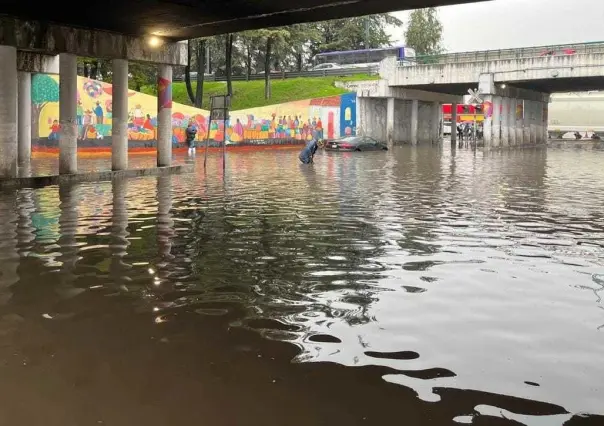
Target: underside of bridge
x=184, y=19
x=550, y=85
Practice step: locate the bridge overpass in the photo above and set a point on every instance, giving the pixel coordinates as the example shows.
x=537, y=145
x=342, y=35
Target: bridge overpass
x=515, y=85
x=129, y=30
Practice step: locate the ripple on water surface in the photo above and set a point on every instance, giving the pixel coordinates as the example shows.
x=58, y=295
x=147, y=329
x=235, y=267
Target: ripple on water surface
x=466, y=287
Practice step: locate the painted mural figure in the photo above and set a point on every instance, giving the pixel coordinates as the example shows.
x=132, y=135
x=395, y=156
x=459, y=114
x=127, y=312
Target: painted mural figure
x=55, y=129
x=238, y=129
x=147, y=123
x=80, y=113
x=98, y=112
x=139, y=116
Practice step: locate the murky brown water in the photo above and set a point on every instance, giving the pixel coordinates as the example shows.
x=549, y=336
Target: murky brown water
x=410, y=287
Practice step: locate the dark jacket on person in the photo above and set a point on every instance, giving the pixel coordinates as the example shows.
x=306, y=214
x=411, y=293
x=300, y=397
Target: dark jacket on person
x=191, y=133
x=308, y=152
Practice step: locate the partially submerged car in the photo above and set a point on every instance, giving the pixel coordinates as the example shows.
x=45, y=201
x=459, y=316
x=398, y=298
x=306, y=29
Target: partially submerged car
x=355, y=143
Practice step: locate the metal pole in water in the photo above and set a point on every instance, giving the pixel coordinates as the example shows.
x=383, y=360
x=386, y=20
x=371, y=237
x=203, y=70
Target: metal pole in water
x=224, y=114
x=205, y=158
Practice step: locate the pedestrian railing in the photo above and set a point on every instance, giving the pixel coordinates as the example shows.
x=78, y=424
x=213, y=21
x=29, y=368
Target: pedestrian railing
x=507, y=54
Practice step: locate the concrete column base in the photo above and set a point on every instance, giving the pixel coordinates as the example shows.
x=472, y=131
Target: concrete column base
x=119, y=119
x=68, y=94
x=390, y=122
x=505, y=122
x=164, y=116
x=414, y=121
x=453, y=124
x=24, y=118
x=8, y=111
x=436, y=122
x=497, y=106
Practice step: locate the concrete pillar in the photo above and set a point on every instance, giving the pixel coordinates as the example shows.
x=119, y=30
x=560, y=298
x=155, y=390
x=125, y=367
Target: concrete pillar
x=519, y=122
x=545, y=121
x=496, y=138
x=539, y=122
x=526, y=128
x=68, y=95
x=436, y=125
x=414, y=121
x=119, y=119
x=512, y=122
x=24, y=118
x=164, y=116
x=487, y=108
x=453, y=124
x=533, y=122
x=8, y=111
x=390, y=122
x=505, y=122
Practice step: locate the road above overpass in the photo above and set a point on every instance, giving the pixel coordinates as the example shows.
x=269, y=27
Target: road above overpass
x=546, y=69
x=185, y=19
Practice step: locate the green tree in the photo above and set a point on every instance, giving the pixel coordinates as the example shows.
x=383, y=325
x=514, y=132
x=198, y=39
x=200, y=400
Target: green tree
x=140, y=75
x=274, y=39
x=44, y=89
x=229, y=62
x=199, y=46
x=301, y=38
x=251, y=44
x=424, y=32
x=365, y=32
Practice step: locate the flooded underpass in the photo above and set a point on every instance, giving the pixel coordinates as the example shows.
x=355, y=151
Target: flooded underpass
x=417, y=286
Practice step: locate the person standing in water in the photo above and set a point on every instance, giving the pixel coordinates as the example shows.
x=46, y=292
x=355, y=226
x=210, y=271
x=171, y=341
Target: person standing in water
x=191, y=132
x=307, y=154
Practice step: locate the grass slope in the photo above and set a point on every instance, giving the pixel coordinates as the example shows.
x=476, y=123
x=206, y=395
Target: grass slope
x=250, y=94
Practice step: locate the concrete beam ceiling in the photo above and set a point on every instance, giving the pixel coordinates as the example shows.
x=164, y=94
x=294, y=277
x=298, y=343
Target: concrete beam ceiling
x=185, y=19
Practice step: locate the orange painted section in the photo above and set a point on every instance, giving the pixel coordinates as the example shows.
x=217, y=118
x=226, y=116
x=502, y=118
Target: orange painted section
x=104, y=152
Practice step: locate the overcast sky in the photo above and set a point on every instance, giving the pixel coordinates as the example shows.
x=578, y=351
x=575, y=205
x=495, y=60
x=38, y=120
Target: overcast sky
x=502, y=24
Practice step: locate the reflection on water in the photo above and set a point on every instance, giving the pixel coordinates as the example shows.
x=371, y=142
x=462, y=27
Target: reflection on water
x=433, y=286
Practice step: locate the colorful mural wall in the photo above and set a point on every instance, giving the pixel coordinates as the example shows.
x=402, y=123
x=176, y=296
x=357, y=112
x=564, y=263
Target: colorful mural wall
x=288, y=123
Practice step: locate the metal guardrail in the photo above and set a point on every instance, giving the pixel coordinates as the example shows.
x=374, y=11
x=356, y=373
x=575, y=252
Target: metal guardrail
x=339, y=72
x=505, y=54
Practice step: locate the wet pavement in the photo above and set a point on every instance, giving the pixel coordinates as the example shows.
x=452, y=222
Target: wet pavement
x=416, y=286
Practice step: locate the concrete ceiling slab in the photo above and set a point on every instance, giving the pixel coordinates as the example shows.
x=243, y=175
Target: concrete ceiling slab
x=184, y=19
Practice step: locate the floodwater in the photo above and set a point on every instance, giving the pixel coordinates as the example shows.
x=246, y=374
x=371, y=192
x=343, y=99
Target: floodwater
x=417, y=286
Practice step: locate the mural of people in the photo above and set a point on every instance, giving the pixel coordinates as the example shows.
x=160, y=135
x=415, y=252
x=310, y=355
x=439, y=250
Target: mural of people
x=289, y=123
x=80, y=113
x=55, y=130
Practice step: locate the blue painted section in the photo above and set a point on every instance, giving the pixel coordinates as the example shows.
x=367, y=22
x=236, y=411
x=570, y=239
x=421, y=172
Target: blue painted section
x=348, y=114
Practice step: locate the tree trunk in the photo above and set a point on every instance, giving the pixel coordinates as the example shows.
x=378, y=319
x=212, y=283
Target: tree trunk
x=94, y=70
x=229, y=61
x=248, y=62
x=267, y=68
x=35, y=120
x=188, y=73
x=201, y=65
x=103, y=70
x=299, y=61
